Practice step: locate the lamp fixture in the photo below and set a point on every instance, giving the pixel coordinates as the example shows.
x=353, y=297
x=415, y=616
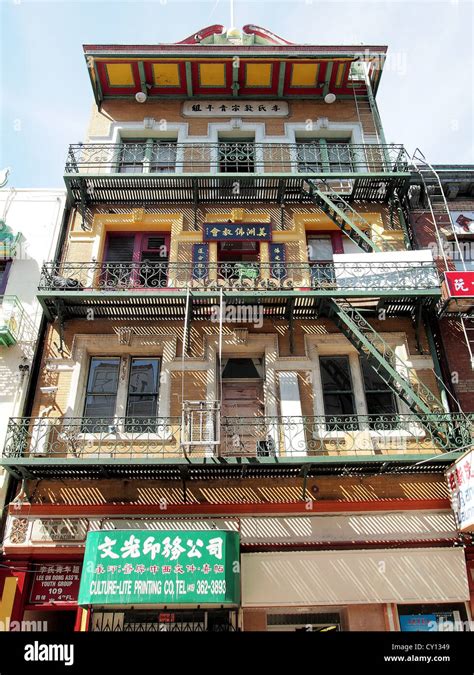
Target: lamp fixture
x=140, y=97
x=329, y=98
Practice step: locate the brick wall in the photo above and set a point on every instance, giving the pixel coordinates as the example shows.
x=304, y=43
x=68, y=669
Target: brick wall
x=170, y=111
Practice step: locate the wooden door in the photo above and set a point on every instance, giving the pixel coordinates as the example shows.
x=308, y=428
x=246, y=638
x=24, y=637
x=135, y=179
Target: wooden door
x=242, y=406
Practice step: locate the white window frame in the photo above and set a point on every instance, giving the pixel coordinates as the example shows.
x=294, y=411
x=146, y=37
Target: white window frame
x=233, y=127
x=338, y=345
x=87, y=346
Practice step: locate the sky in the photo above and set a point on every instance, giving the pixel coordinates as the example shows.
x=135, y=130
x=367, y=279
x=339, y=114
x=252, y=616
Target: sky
x=425, y=96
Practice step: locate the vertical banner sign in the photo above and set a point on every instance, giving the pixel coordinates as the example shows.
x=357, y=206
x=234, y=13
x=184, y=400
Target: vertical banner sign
x=131, y=567
x=277, y=255
x=460, y=478
x=200, y=261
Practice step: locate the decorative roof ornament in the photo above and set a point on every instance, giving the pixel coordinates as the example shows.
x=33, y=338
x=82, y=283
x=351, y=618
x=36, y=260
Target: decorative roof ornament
x=250, y=34
x=4, y=177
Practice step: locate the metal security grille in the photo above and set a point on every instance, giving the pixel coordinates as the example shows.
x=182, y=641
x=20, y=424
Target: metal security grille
x=156, y=621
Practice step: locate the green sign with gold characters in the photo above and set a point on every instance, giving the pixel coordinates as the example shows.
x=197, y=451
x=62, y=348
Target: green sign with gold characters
x=170, y=567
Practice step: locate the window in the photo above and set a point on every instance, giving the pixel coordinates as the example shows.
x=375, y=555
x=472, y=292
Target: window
x=308, y=155
x=136, y=259
x=237, y=156
x=163, y=157
x=321, y=249
x=337, y=388
x=142, y=398
x=238, y=260
x=339, y=154
x=147, y=156
x=132, y=157
x=101, y=392
x=379, y=397
x=141, y=392
x=322, y=155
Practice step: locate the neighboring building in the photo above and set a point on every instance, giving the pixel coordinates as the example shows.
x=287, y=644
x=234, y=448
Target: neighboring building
x=240, y=340
x=446, y=226
x=442, y=218
x=30, y=222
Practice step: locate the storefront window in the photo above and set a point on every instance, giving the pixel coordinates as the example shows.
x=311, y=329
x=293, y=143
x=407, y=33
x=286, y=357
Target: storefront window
x=433, y=618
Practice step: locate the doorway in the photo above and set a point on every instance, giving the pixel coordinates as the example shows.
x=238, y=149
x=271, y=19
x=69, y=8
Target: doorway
x=243, y=407
x=238, y=260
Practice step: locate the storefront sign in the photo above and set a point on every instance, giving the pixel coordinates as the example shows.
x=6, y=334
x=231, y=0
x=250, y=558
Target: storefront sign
x=460, y=284
x=415, y=623
x=235, y=109
x=461, y=487
x=130, y=567
x=59, y=529
x=58, y=583
x=237, y=232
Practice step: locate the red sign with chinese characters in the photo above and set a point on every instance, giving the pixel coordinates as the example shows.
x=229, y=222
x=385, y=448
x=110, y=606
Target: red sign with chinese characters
x=460, y=284
x=58, y=582
x=460, y=478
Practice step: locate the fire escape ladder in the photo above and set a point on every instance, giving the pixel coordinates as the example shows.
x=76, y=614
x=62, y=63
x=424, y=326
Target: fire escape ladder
x=401, y=378
x=344, y=216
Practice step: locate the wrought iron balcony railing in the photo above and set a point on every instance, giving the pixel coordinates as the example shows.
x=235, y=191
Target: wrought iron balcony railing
x=93, y=439
x=354, y=277
x=235, y=157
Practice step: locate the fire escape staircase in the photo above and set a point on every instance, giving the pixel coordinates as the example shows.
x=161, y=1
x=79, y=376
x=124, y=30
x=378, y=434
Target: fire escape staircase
x=344, y=216
x=401, y=378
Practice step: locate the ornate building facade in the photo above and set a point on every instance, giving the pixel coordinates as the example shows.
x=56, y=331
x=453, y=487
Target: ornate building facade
x=240, y=340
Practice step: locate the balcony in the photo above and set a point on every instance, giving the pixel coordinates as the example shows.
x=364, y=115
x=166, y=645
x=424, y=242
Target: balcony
x=16, y=325
x=93, y=447
x=228, y=172
x=158, y=286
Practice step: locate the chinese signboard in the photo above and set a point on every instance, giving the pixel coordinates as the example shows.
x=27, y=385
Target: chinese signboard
x=235, y=109
x=460, y=284
x=461, y=488
x=130, y=567
x=58, y=582
x=237, y=232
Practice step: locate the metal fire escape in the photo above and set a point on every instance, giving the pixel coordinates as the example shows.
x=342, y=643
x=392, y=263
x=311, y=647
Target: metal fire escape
x=348, y=220
x=401, y=378
x=432, y=194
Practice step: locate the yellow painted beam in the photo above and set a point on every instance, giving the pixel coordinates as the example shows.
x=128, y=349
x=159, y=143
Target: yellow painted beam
x=8, y=598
